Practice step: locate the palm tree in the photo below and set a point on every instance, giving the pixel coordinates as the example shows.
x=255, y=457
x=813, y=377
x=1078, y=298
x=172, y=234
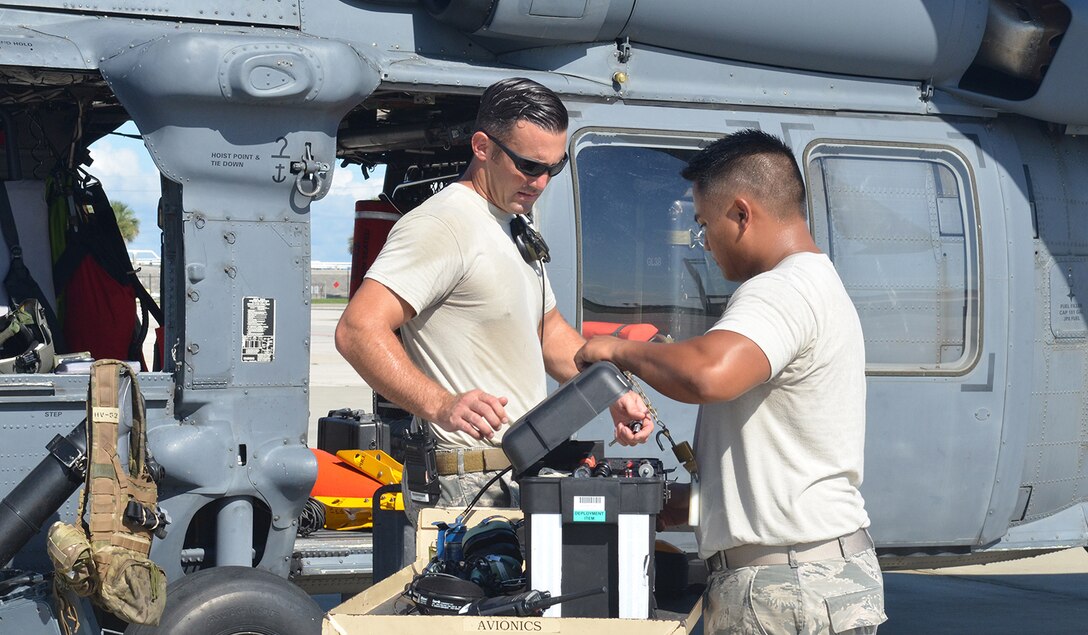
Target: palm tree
x=126, y=220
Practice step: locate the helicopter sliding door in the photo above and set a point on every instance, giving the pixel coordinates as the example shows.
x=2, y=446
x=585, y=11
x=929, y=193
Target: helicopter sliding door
x=906, y=210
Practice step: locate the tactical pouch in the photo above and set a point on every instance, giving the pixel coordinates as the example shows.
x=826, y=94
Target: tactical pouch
x=70, y=552
x=132, y=587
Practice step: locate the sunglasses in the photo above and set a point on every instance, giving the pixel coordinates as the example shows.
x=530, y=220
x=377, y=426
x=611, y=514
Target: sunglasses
x=528, y=167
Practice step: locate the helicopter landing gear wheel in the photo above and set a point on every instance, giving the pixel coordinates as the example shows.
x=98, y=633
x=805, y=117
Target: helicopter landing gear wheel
x=235, y=601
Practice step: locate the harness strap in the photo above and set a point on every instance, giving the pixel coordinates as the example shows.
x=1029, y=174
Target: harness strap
x=19, y=284
x=112, y=484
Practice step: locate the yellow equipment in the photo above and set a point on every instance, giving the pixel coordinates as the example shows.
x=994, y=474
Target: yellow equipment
x=374, y=463
x=346, y=512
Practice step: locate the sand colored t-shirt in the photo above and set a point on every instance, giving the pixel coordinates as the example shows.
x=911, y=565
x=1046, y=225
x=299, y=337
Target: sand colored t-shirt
x=478, y=303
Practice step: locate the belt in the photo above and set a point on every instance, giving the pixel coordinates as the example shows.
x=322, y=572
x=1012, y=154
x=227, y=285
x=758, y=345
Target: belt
x=470, y=461
x=762, y=555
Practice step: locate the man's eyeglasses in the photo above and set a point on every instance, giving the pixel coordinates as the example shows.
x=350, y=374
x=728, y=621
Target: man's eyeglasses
x=528, y=167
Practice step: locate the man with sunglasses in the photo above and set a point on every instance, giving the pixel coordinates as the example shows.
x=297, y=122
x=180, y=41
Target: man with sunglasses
x=477, y=316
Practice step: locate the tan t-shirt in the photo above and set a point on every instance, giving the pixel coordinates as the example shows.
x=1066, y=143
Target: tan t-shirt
x=782, y=463
x=478, y=303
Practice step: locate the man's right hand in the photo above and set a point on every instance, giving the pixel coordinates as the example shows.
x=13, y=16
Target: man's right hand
x=474, y=412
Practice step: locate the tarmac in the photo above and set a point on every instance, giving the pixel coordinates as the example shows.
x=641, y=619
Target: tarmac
x=334, y=384
x=1046, y=595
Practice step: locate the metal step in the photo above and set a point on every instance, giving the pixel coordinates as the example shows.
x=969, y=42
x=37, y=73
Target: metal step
x=330, y=561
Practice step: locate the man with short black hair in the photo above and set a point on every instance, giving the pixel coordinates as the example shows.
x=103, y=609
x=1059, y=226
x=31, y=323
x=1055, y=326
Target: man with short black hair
x=781, y=383
x=478, y=319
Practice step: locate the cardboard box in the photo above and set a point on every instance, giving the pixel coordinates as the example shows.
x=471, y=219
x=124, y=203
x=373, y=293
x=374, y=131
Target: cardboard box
x=372, y=611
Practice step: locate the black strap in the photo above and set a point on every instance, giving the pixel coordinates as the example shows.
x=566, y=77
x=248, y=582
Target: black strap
x=19, y=284
x=110, y=250
x=146, y=301
x=7, y=221
x=65, y=266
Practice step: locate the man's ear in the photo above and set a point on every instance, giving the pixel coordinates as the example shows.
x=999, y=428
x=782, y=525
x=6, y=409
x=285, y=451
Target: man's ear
x=481, y=144
x=743, y=212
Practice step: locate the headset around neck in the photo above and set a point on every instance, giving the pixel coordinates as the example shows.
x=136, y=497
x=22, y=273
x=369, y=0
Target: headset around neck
x=528, y=240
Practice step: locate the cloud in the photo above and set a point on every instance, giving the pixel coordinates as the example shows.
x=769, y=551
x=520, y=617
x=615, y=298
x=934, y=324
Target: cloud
x=129, y=176
x=348, y=183
x=332, y=219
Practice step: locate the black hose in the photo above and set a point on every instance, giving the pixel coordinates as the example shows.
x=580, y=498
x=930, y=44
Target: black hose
x=480, y=493
x=26, y=508
x=312, y=517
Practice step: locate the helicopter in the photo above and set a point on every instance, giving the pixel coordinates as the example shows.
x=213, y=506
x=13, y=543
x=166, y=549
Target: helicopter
x=941, y=144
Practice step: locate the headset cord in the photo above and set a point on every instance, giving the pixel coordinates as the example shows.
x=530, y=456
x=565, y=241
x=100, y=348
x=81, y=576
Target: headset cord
x=464, y=514
x=542, y=303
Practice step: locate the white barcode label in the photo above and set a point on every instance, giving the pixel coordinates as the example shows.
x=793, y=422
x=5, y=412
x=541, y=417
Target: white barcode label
x=589, y=509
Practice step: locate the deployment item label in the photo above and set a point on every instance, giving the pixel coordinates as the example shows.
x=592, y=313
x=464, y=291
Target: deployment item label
x=588, y=509
x=258, y=329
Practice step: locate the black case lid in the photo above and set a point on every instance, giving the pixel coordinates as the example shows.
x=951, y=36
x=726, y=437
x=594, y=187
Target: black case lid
x=561, y=414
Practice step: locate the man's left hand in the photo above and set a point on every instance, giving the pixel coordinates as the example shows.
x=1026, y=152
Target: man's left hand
x=630, y=409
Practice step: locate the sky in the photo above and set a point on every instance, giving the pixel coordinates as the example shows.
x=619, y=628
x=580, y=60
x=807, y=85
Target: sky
x=129, y=176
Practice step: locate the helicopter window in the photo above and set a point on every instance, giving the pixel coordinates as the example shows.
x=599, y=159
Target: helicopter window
x=642, y=261
x=893, y=221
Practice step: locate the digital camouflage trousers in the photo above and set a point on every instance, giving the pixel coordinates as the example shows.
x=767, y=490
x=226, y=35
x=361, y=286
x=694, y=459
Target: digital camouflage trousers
x=458, y=490
x=838, y=596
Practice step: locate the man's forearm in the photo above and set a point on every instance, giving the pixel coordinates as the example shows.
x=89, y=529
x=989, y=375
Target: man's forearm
x=671, y=375
x=382, y=363
x=717, y=366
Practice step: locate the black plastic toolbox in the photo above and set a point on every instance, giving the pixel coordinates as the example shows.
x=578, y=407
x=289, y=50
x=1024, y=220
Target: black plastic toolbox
x=347, y=429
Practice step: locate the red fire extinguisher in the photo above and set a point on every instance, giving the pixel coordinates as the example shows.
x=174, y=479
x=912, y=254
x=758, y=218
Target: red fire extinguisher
x=373, y=220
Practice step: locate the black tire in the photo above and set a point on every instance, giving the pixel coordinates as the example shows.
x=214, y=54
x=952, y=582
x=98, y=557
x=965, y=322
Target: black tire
x=235, y=601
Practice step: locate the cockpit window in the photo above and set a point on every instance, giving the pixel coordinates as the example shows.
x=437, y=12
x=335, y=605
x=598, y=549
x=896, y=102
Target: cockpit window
x=643, y=262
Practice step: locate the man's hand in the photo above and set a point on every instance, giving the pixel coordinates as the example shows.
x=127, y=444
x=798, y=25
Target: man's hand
x=630, y=409
x=474, y=412
x=600, y=348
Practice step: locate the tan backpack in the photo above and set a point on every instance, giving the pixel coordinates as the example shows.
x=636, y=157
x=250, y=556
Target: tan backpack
x=107, y=557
